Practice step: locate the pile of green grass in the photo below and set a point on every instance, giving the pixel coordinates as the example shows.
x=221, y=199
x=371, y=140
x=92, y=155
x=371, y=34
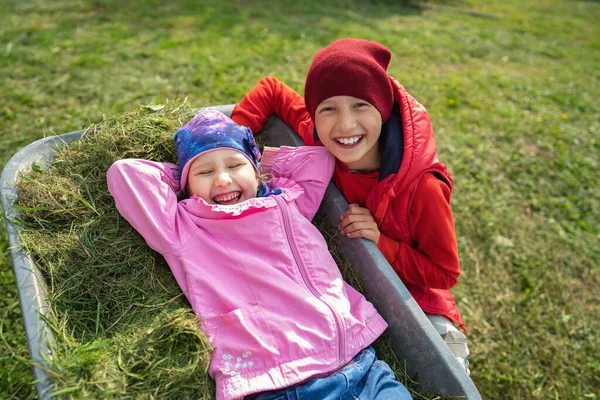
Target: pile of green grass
x=122, y=326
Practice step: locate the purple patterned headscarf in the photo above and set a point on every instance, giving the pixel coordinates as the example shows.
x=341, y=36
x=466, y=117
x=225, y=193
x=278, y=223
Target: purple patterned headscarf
x=211, y=130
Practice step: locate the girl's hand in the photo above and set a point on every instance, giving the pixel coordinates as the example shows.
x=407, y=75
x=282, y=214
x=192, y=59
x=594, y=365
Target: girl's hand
x=358, y=222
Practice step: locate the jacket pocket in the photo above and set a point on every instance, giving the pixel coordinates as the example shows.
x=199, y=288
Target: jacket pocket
x=243, y=340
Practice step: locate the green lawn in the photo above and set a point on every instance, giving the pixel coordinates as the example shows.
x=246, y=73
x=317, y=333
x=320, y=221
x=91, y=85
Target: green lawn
x=512, y=89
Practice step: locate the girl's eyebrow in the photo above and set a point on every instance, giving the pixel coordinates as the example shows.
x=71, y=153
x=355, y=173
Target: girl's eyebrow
x=237, y=157
x=203, y=164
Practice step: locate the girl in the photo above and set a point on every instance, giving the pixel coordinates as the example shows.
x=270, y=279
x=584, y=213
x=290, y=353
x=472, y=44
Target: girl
x=255, y=270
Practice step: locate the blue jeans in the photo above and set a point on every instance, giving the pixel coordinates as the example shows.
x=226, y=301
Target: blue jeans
x=365, y=378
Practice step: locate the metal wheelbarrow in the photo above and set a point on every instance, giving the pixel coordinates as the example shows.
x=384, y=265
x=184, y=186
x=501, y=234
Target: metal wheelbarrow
x=415, y=341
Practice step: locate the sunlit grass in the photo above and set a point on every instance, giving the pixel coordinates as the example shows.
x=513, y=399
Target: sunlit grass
x=513, y=101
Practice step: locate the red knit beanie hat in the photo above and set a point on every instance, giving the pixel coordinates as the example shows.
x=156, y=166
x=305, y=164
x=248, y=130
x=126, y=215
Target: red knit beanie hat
x=350, y=67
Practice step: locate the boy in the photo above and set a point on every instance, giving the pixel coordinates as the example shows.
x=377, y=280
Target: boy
x=386, y=167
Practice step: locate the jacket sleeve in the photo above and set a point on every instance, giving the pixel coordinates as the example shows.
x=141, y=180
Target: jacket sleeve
x=434, y=262
x=145, y=194
x=271, y=96
x=310, y=167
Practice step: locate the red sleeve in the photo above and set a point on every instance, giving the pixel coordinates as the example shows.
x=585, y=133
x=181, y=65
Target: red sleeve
x=434, y=261
x=271, y=96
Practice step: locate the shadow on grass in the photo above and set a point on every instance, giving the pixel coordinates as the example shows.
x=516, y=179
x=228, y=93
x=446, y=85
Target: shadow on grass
x=283, y=18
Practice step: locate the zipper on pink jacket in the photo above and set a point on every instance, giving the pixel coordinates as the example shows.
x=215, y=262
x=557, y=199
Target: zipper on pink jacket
x=309, y=285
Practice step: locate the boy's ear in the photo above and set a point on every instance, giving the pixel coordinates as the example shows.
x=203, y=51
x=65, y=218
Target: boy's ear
x=315, y=135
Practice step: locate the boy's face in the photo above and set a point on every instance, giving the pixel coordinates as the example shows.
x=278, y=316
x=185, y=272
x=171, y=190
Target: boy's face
x=350, y=127
x=223, y=176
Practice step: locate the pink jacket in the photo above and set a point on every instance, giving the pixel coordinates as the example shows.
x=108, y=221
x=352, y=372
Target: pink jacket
x=270, y=297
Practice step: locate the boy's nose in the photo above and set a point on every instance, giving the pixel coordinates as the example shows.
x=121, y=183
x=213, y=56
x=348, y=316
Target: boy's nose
x=346, y=122
x=223, y=179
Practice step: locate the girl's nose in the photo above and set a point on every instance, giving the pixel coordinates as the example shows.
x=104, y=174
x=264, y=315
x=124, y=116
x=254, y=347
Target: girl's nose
x=223, y=179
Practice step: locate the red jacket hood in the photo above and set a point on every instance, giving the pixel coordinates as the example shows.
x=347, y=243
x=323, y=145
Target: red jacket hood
x=419, y=142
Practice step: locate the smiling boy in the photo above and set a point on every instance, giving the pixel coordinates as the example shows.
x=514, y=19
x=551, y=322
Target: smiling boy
x=386, y=167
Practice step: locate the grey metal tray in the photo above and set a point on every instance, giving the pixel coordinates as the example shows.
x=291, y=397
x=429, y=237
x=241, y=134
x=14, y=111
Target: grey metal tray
x=414, y=339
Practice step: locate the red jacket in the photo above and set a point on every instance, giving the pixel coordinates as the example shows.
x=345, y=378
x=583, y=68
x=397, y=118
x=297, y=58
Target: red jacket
x=409, y=196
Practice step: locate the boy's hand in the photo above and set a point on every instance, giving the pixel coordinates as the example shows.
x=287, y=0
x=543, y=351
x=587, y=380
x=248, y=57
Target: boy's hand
x=358, y=222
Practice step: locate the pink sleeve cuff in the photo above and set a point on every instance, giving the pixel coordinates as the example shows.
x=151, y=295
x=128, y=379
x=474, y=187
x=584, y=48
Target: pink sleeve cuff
x=268, y=157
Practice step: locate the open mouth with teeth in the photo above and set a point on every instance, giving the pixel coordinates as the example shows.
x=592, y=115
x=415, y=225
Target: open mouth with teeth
x=227, y=198
x=348, y=142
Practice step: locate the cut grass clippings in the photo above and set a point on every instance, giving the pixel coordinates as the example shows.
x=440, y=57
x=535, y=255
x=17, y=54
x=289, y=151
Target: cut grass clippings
x=122, y=327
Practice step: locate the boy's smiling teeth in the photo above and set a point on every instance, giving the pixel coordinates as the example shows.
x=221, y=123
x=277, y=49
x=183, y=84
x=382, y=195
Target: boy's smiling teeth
x=348, y=141
x=227, y=198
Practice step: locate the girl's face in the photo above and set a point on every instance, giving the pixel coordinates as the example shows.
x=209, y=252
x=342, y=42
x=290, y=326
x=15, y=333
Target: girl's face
x=350, y=127
x=222, y=176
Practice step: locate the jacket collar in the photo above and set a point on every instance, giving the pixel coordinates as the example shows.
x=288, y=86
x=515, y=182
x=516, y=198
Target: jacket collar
x=391, y=144
x=411, y=139
x=200, y=208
